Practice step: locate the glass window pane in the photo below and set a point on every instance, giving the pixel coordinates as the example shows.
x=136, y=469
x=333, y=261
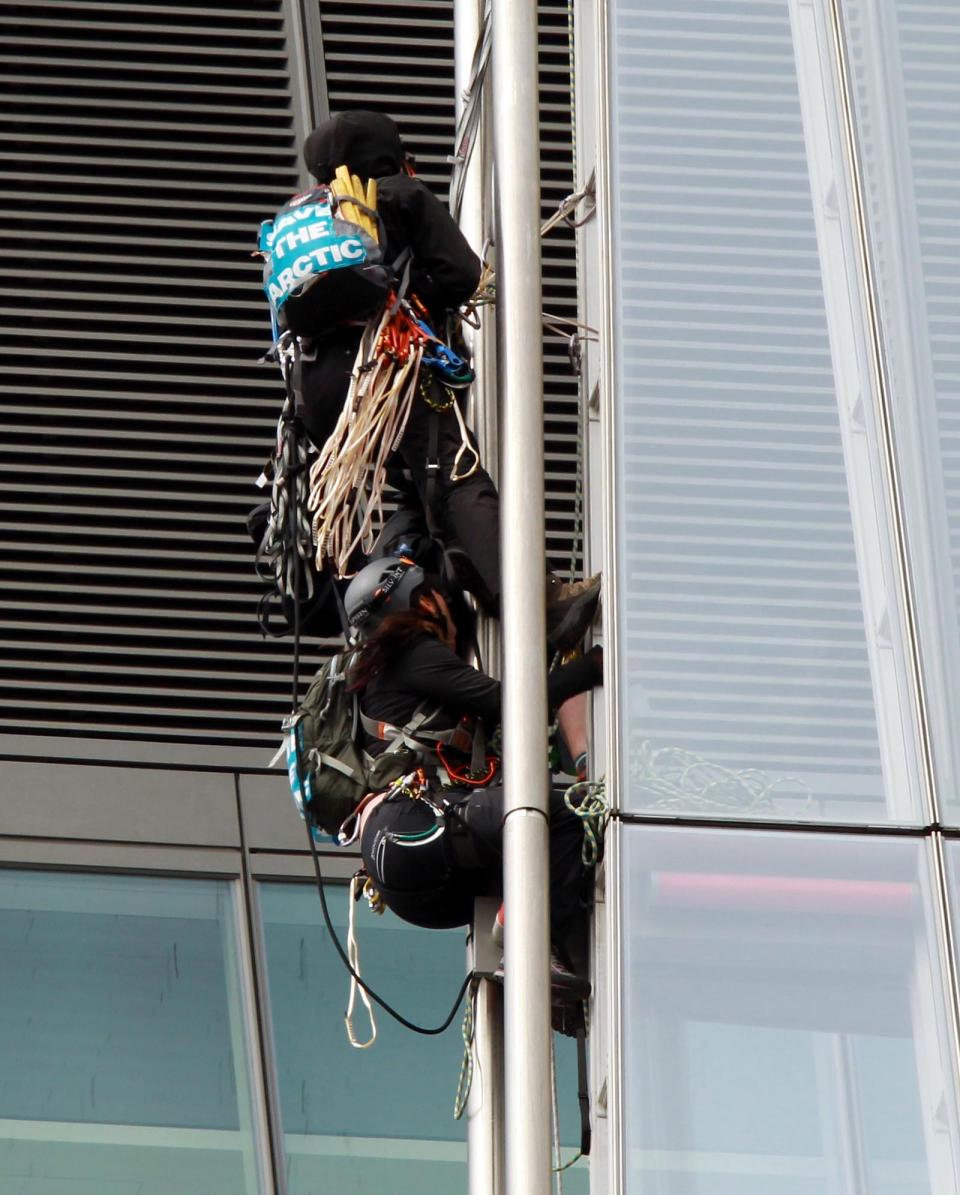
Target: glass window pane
x=376, y=1119
x=785, y=1016
x=123, y=1064
x=379, y=1119
x=903, y=57
x=753, y=682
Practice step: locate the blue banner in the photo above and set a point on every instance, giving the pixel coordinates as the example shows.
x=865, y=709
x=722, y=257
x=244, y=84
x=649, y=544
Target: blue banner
x=304, y=241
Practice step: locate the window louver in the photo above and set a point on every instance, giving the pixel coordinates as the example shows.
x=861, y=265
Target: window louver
x=148, y=142
x=144, y=144
x=743, y=627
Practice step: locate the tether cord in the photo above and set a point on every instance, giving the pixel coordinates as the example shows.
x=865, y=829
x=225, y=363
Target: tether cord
x=402, y=1020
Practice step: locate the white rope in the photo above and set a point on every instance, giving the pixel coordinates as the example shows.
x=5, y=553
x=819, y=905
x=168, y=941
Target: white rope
x=465, y=446
x=353, y=953
x=348, y=477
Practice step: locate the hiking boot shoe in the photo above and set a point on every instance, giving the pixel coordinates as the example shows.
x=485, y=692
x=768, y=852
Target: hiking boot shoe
x=571, y=608
x=565, y=987
x=496, y=930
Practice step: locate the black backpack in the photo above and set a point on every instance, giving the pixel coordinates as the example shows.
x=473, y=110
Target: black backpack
x=329, y=770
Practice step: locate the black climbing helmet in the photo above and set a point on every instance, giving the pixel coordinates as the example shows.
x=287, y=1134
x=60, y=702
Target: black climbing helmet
x=382, y=587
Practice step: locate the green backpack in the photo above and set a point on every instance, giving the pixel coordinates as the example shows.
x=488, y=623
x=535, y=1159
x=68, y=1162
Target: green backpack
x=329, y=770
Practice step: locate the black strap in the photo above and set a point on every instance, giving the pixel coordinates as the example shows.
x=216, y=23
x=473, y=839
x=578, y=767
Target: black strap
x=583, y=1089
x=341, y=610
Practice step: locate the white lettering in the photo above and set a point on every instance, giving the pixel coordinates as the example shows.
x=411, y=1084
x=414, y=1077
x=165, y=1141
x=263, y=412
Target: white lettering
x=353, y=249
x=275, y=293
x=285, y=278
x=301, y=267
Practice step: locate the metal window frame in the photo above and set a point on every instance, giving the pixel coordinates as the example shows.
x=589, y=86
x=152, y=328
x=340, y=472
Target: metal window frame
x=594, y=44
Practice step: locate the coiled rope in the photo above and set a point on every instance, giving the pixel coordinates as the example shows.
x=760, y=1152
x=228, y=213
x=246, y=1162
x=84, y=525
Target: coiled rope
x=671, y=778
x=585, y=799
x=348, y=477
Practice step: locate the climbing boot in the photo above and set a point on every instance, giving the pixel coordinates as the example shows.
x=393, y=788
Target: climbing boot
x=571, y=608
x=565, y=986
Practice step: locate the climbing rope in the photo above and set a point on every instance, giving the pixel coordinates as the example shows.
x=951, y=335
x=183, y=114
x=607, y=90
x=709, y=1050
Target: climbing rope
x=593, y=811
x=353, y=953
x=467, y=1031
x=671, y=778
x=348, y=477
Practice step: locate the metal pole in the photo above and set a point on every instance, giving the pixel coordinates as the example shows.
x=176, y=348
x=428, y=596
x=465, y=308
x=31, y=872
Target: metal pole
x=485, y=1104
x=525, y=862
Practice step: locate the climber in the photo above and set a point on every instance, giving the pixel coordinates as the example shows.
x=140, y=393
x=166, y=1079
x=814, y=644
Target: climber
x=461, y=504
x=433, y=844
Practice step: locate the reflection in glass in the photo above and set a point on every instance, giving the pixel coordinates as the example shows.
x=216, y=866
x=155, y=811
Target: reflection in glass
x=785, y=1024
x=749, y=672
x=379, y=1119
x=903, y=58
x=123, y=1064
x=372, y=1120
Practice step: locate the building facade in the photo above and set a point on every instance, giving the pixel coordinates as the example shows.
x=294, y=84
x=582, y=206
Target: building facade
x=763, y=424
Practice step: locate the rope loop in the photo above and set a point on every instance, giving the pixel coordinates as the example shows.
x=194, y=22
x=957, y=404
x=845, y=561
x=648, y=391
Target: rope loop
x=467, y=1031
x=353, y=952
x=594, y=812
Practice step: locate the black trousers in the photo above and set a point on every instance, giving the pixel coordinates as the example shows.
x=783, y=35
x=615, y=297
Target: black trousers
x=429, y=868
x=466, y=513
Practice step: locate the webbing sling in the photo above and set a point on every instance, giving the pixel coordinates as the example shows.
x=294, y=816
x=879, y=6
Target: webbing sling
x=414, y=734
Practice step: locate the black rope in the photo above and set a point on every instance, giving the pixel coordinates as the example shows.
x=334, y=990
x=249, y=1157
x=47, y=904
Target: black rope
x=402, y=1020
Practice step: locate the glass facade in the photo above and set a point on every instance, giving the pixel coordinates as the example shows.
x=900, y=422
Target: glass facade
x=382, y=1118
x=904, y=96
x=123, y=1050
x=377, y=1119
x=785, y=1017
x=763, y=662
x=784, y=208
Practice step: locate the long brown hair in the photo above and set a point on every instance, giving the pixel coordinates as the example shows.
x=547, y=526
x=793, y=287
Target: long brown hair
x=395, y=633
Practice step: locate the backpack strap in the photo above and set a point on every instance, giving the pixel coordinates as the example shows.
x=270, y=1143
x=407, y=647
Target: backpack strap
x=414, y=735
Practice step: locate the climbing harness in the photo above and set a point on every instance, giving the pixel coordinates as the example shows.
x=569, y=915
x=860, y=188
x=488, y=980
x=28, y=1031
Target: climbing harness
x=286, y=546
x=470, y=775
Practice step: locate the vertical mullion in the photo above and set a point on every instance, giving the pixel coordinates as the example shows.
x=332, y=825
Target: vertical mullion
x=254, y=977
x=947, y=943
x=882, y=390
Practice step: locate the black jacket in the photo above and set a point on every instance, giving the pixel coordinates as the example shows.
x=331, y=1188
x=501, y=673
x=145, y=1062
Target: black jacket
x=444, y=271
x=427, y=670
